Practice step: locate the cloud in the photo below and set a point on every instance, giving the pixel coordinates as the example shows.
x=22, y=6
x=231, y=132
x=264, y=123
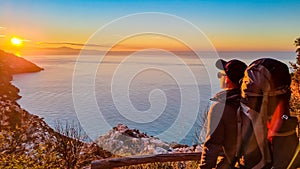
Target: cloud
x=2, y=36
x=81, y=44
x=73, y=44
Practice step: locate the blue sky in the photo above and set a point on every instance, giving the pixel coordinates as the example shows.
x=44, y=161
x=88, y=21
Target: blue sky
x=228, y=24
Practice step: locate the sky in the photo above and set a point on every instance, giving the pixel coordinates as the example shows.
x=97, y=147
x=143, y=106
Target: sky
x=233, y=25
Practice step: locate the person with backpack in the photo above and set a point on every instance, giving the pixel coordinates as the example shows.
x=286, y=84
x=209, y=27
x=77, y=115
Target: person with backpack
x=222, y=121
x=266, y=130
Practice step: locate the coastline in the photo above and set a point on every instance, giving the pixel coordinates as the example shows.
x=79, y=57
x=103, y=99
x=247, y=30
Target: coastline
x=26, y=139
x=37, y=131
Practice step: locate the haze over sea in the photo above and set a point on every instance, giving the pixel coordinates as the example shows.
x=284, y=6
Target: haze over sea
x=157, y=90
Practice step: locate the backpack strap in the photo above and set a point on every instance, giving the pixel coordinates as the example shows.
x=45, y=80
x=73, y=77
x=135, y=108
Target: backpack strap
x=294, y=157
x=260, y=132
x=288, y=127
x=280, y=91
x=297, y=150
x=238, y=154
x=239, y=133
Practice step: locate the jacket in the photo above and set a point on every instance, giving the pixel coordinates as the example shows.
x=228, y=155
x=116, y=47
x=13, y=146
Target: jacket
x=221, y=130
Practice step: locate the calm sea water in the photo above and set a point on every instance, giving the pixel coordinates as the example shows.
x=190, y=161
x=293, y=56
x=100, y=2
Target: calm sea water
x=160, y=94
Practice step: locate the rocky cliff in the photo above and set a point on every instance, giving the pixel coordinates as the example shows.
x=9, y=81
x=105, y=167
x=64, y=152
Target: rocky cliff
x=14, y=64
x=26, y=141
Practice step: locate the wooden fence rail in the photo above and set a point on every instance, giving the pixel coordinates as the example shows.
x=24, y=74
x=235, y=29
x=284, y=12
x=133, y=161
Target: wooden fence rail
x=134, y=160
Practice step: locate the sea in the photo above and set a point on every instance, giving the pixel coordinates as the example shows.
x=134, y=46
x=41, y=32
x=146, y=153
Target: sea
x=165, y=95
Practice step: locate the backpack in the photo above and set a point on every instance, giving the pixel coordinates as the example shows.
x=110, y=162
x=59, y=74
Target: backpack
x=266, y=131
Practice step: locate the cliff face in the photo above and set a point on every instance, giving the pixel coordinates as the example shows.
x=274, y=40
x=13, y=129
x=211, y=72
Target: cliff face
x=14, y=64
x=9, y=65
x=26, y=140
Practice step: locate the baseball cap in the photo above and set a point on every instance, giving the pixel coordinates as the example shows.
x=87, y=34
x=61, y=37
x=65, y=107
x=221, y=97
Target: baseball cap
x=234, y=69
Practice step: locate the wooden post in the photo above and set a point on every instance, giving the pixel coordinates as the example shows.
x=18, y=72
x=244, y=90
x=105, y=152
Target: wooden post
x=134, y=160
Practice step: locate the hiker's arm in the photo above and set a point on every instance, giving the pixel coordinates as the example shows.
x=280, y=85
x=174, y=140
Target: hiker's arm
x=215, y=124
x=209, y=156
x=215, y=136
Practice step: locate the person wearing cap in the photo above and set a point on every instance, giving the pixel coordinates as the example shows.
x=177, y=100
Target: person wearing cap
x=222, y=117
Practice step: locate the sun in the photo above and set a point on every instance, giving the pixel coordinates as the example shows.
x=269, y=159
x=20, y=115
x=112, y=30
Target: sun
x=16, y=41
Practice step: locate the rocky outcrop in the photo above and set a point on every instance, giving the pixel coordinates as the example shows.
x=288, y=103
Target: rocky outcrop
x=25, y=139
x=16, y=65
x=123, y=141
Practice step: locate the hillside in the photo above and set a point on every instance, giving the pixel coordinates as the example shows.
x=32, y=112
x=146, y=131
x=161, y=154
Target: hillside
x=26, y=141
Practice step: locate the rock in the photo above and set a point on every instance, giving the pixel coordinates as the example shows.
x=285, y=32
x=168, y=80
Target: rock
x=181, y=148
x=122, y=140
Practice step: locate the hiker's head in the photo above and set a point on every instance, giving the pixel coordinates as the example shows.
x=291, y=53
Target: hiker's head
x=231, y=73
x=266, y=76
x=269, y=78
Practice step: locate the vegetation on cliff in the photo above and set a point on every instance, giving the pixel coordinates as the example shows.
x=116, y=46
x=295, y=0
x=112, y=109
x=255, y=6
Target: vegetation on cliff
x=26, y=141
x=295, y=87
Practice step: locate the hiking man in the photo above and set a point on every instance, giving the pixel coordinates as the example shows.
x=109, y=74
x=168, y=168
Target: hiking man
x=266, y=130
x=222, y=120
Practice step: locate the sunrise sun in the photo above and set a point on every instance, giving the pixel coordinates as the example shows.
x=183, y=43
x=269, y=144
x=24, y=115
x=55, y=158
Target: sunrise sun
x=16, y=41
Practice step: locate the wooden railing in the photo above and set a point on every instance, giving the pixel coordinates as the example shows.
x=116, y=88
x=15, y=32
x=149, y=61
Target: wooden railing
x=134, y=160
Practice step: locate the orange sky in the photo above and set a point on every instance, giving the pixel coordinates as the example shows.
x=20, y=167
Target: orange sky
x=230, y=25
x=220, y=42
